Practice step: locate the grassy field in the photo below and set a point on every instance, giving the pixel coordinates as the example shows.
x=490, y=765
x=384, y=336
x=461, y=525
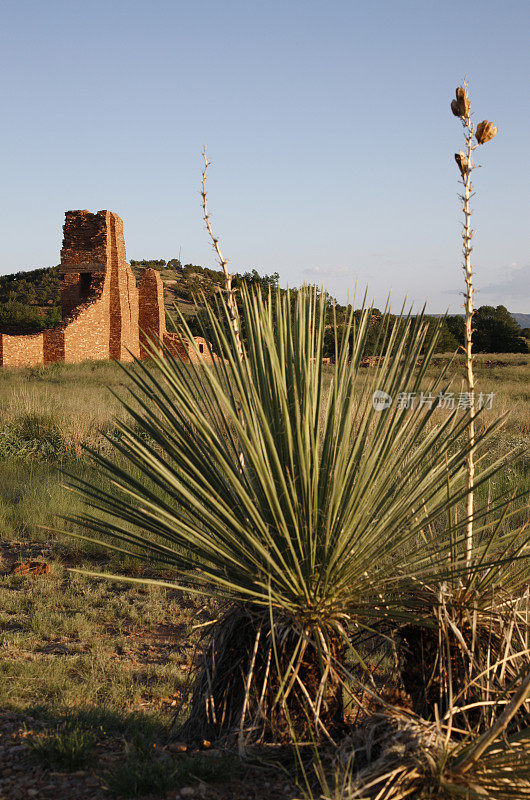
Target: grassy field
x=92, y=672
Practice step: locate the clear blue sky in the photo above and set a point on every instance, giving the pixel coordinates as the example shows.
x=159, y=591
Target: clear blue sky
x=328, y=125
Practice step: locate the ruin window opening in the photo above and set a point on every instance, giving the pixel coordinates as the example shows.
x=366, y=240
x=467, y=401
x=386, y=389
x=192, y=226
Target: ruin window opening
x=85, y=282
x=201, y=348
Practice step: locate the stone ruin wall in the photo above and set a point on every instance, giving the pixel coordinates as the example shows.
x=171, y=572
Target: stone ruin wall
x=152, y=322
x=104, y=312
x=152, y=313
x=185, y=351
x=21, y=351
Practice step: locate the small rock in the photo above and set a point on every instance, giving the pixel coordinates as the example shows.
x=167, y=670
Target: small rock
x=177, y=747
x=32, y=792
x=187, y=791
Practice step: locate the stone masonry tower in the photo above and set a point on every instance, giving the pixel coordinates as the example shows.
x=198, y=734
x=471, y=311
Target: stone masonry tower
x=98, y=283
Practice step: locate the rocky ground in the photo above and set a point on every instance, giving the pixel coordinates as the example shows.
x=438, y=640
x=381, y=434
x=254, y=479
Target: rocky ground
x=22, y=777
x=94, y=660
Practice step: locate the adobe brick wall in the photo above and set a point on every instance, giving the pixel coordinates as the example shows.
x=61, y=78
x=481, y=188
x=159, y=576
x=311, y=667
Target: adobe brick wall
x=105, y=325
x=85, y=336
x=175, y=346
x=204, y=348
x=152, y=322
x=85, y=238
x=85, y=246
x=124, y=337
x=184, y=349
x=53, y=349
x=21, y=351
x=152, y=313
x=103, y=310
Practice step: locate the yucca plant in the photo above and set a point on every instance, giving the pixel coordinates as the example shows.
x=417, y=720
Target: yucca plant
x=302, y=507
x=418, y=764
x=469, y=636
x=473, y=634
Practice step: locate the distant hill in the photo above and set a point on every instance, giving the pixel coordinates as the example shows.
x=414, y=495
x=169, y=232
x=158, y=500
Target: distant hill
x=185, y=282
x=522, y=319
x=29, y=300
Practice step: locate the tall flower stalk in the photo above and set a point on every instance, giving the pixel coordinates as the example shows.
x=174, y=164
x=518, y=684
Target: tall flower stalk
x=230, y=294
x=223, y=262
x=473, y=137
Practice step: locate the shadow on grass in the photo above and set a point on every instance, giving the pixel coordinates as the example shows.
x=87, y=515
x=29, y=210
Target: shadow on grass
x=107, y=722
x=146, y=765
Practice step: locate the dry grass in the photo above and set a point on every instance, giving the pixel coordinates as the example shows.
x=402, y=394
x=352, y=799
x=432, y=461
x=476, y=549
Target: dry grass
x=72, y=643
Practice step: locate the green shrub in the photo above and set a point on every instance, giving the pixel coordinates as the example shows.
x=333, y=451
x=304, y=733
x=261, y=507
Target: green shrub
x=33, y=435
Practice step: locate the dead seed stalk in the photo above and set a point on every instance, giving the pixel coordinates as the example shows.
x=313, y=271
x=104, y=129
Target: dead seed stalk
x=230, y=293
x=482, y=133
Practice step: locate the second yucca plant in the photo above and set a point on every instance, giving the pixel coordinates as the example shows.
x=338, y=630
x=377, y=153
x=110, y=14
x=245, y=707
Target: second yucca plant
x=472, y=638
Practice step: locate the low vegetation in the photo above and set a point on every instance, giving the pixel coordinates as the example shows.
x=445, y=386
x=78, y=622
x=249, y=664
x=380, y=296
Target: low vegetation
x=117, y=658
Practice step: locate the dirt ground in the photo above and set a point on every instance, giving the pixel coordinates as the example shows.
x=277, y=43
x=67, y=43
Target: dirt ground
x=113, y=660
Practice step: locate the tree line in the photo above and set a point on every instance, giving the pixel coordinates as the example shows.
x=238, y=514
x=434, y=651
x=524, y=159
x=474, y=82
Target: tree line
x=30, y=302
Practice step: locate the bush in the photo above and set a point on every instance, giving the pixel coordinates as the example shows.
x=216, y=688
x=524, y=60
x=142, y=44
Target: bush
x=19, y=318
x=32, y=435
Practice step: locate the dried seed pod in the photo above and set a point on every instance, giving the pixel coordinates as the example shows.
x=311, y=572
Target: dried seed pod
x=460, y=107
x=485, y=131
x=462, y=162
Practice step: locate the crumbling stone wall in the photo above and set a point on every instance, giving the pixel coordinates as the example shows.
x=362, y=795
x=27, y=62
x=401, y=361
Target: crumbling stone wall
x=152, y=315
x=124, y=338
x=53, y=345
x=185, y=350
x=84, y=258
x=152, y=320
x=99, y=299
x=103, y=310
x=99, y=288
